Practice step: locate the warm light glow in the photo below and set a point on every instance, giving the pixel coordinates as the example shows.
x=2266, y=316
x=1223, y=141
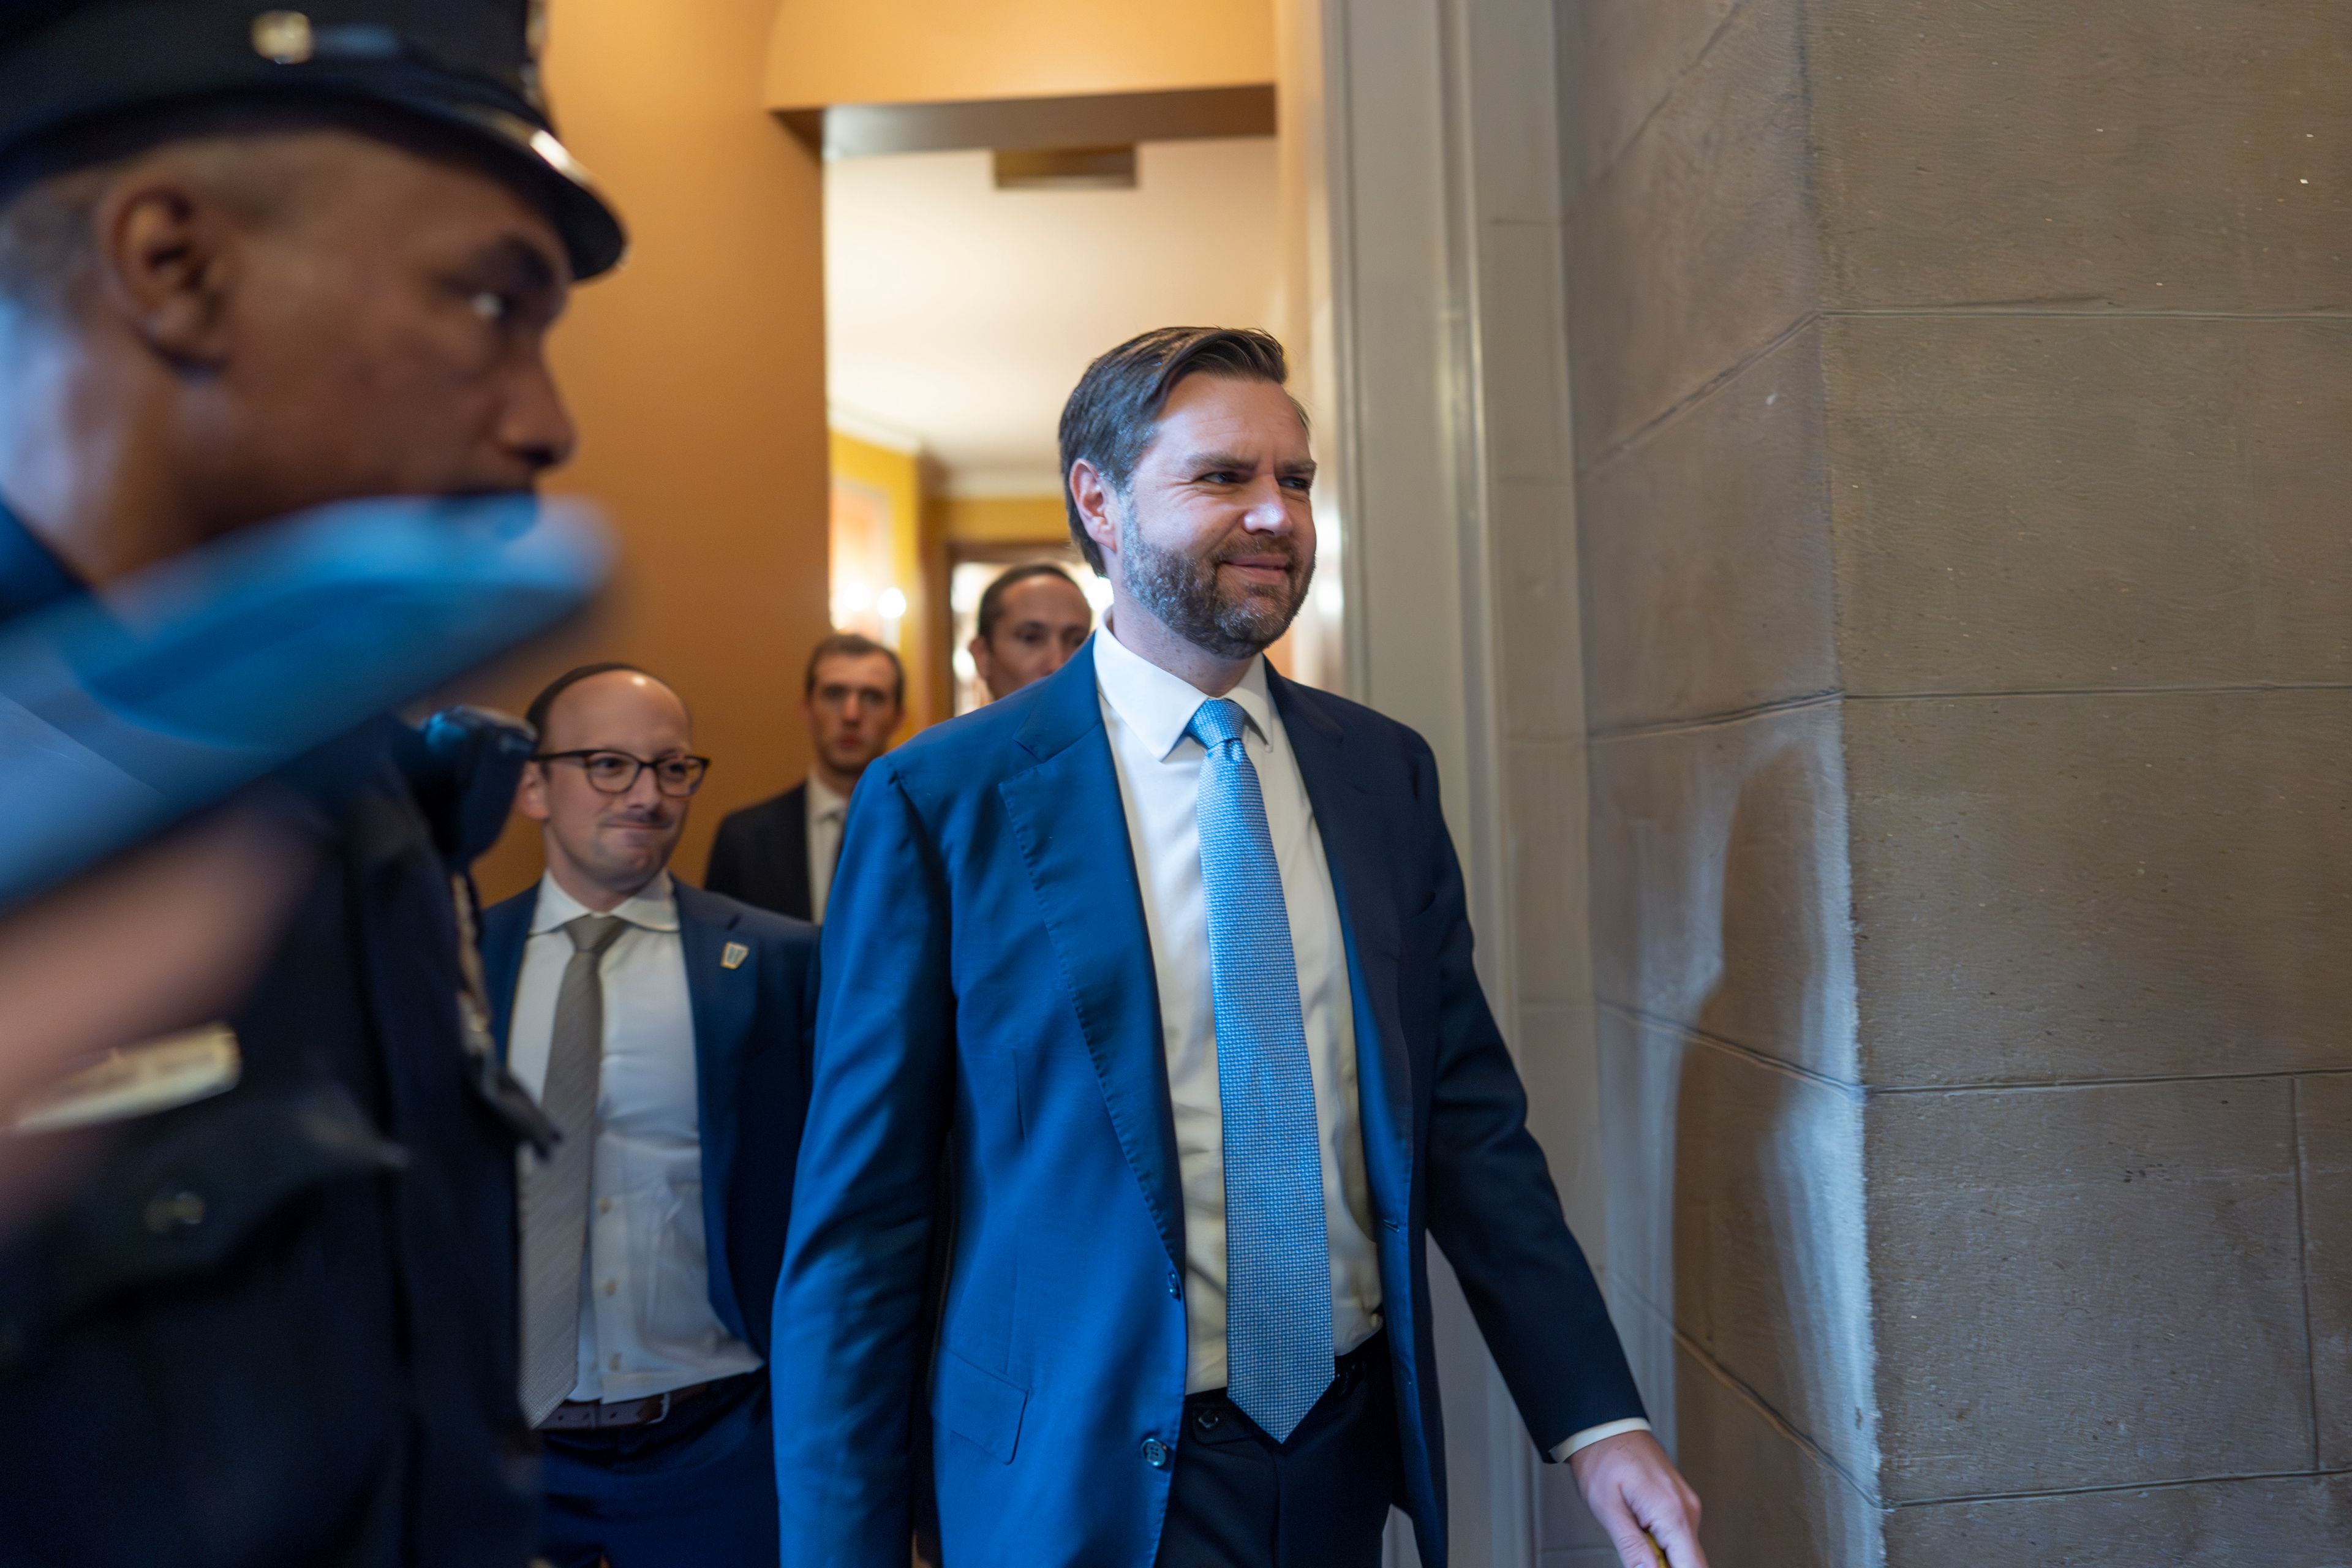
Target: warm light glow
x=1097, y=592
x=856, y=597
x=892, y=604
x=965, y=669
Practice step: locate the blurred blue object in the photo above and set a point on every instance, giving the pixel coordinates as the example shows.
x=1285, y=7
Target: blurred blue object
x=119, y=714
x=472, y=760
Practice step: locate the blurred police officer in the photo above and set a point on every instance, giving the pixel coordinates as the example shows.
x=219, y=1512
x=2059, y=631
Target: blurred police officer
x=253, y=260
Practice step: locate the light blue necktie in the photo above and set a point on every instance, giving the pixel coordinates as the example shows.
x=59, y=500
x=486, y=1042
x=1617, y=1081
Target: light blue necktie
x=1277, y=1257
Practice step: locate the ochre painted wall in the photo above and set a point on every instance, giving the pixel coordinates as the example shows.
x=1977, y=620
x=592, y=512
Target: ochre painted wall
x=928, y=51
x=898, y=476
x=696, y=375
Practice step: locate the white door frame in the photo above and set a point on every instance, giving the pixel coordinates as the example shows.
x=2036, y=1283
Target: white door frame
x=1439, y=123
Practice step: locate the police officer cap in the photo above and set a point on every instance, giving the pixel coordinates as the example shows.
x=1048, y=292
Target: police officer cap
x=469, y=66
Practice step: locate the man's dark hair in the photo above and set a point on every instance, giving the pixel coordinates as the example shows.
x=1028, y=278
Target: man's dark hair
x=991, y=603
x=542, y=705
x=854, y=644
x=1114, y=412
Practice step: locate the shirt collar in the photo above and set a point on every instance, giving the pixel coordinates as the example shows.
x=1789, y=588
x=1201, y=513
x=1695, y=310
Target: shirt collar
x=824, y=800
x=1159, y=706
x=30, y=576
x=653, y=908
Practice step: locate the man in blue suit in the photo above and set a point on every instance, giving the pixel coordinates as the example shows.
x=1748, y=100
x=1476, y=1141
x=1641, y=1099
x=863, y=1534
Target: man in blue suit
x=1167, y=960
x=665, y=1031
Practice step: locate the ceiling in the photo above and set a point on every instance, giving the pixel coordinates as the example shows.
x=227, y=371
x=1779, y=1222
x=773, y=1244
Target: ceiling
x=959, y=316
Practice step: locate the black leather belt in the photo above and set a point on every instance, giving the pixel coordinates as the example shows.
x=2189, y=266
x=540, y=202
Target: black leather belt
x=597, y=1416
x=1346, y=1372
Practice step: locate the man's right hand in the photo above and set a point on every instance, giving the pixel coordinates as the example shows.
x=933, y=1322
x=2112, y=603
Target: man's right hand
x=1639, y=1497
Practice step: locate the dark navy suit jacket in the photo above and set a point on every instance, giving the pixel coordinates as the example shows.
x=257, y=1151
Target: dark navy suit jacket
x=761, y=855
x=989, y=1001
x=752, y=1032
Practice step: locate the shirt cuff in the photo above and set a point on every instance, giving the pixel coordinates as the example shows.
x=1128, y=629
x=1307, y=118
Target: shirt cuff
x=1592, y=1435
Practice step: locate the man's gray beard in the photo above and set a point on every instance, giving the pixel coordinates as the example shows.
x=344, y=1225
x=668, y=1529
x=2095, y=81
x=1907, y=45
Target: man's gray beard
x=1181, y=590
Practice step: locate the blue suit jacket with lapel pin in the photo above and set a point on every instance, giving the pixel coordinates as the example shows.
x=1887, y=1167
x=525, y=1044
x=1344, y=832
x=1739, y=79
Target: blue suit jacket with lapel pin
x=989, y=1001
x=753, y=1023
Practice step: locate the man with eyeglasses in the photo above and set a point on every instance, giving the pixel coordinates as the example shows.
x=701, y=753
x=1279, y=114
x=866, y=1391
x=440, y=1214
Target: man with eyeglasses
x=666, y=1032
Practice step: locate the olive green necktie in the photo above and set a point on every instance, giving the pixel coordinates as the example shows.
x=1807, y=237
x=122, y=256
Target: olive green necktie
x=555, y=1189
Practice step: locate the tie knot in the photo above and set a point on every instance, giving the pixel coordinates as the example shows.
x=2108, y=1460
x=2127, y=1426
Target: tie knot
x=593, y=934
x=1216, y=721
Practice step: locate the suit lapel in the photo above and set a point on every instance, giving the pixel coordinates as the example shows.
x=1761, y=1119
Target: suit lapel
x=791, y=857
x=723, y=1001
x=1066, y=813
x=1354, y=848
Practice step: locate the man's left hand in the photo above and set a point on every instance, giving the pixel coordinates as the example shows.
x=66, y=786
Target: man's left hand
x=1633, y=1488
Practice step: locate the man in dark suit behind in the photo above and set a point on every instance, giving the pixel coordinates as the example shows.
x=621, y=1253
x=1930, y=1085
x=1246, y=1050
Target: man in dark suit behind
x=665, y=1033
x=1033, y=620
x=779, y=855
x=1168, y=959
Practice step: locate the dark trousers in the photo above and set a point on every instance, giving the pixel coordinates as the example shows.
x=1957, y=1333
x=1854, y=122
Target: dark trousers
x=1240, y=1499
x=698, y=1491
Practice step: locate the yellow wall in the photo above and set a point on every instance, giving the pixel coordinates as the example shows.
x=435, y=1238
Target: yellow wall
x=1007, y=519
x=928, y=51
x=697, y=374
x=899, y=476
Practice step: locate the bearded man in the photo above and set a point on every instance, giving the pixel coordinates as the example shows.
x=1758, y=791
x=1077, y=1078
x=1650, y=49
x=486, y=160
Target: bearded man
x=1169, y=958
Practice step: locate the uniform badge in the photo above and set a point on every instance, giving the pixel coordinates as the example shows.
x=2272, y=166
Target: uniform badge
x=284, y=37
x=140, y=1080
x=732, y=955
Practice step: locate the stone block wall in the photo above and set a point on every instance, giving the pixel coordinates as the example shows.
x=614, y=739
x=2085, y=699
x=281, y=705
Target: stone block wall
x=1963, y=440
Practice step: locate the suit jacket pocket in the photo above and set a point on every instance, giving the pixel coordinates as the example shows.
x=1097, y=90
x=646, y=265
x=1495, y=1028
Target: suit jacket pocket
x=182, y=1196
x=978, y=1406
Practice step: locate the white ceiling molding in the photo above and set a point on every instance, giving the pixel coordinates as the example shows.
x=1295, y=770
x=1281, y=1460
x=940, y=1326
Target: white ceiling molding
x=874, y=432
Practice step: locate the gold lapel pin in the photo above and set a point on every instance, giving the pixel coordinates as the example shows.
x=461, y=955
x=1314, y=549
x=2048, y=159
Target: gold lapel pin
x=732, y=955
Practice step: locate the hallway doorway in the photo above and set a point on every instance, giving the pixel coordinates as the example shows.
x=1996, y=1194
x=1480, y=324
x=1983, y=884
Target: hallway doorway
x=966, y=290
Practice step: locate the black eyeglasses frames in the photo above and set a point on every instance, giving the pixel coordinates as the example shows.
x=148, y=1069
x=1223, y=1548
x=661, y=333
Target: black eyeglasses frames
x=615, y=773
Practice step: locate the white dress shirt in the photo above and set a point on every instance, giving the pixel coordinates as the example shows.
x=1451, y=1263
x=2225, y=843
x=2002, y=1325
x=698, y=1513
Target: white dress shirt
x=647, y=1325
x=1145, y=710
x=826, y=811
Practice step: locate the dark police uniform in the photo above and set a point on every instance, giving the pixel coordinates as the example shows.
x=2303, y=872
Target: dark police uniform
x=276, y=1325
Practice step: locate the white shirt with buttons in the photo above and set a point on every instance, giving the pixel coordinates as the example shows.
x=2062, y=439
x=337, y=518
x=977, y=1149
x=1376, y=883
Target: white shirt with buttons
x=1145, y=712
x=827, y=810
x=647, y=1325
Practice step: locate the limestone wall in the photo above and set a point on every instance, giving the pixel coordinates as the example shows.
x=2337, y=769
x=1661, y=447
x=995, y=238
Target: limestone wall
x=1963, y=437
